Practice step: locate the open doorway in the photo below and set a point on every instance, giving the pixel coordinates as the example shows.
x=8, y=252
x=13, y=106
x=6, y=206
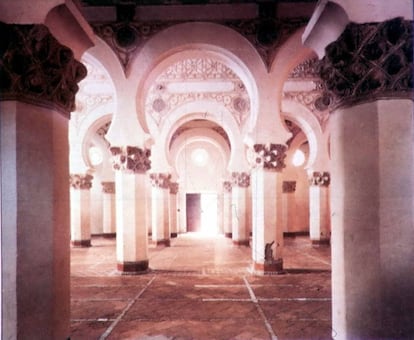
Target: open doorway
x=202, y=212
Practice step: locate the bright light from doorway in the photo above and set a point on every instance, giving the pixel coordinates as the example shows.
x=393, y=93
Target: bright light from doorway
x=209, y=214
x=199, y=157
x=95, y=155
x=298, y=158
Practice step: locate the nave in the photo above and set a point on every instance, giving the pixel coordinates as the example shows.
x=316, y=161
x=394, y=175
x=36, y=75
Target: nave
x=201, y=288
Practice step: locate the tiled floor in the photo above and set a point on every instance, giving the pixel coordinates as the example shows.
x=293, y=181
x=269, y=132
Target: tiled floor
x=201, y=288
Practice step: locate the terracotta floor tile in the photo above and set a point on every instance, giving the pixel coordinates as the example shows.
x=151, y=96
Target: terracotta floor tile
x=189, y=309
x=92, y=310
x=183, y=330
x=196, y=289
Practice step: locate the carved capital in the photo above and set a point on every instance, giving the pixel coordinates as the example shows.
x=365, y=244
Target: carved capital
x=174, y=188
x=370, y=61
x=160, y=180
x=227, y=186
x=36, y=68
x=322, y=179
x=270, y=156
x=80, y=181
x=108, y=187
x=131, y=158
x=288, y=186
x=241, y=179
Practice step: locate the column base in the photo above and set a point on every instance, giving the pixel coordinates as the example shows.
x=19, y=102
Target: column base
x=109, y=235
x=160, y=243
x=136, y=267
x=241, y=243
x=228, y=235
x=81, y=243
x=273, y=267
x=321, y=243
x=174, y=235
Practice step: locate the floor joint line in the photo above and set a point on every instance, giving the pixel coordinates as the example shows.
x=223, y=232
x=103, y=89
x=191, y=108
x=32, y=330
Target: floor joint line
x=260, y=310
x=125, y=310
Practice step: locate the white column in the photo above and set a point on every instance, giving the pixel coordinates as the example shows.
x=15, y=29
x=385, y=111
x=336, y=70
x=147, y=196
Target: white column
x=80, y=201
x=267, y=249
x=319, y=211
x=182, y=211
x=35, y=222
x=288, y=205
x=160, y=215
x=173, y=209
x=241, y=181
x=227, y=202
x=109, y=217
x=131, y=164
x=148, y=201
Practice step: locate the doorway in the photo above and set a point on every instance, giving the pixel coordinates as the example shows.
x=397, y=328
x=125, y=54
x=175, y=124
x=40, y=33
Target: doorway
x=202, y=212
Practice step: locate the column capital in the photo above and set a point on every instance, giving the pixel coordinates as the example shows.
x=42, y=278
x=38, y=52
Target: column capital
x=108, y=187
x=36, y=68
x=160, y=180
x=270, y=156
x=240, y=179
x=321, y=179
x=174, y=188
x=370, y=61
x=131, y=159
x=80, y=181
x=227, y=186
x=288, y=186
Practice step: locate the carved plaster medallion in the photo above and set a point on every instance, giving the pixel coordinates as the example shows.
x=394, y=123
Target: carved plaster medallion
x=241, y=179
x=131, y=158
x=81, y=181
x=322, y=179
x=160, y=180
x=270, y=156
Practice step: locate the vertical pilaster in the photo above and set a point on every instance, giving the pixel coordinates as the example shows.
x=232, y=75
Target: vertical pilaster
x=160, y=215
x=288, y=205
x=80, y=201
x=227, y=209
x=173, y=209
x=319, y=214
x=36, y=97
x=267, y=250
x=241, y=181
x=130, y=164
x=108, y=203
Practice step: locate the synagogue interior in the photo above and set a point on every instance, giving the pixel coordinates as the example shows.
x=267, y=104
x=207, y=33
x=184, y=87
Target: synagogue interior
x=207, y=169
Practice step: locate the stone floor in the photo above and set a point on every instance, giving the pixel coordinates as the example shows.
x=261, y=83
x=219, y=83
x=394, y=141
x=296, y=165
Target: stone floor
x=201, y=288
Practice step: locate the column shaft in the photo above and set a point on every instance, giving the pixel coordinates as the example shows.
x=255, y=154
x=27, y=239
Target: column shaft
x=267, y=250
x=109, y=215
x=35, y=233
x=372, y=214
x=319, y=215
x=131, y=228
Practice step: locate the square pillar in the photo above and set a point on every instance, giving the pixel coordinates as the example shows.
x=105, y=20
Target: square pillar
x=227, y=217
x=288, y=205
